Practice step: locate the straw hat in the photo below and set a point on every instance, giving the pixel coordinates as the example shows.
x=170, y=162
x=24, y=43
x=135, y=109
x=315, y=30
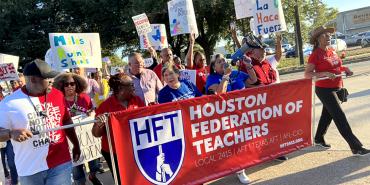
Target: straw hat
x=318, y=31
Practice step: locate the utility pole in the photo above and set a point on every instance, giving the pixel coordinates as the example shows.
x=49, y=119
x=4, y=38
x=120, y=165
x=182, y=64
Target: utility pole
x=298, y=33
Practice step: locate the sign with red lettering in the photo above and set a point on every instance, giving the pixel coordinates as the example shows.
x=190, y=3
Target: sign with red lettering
x=142, y=24
x=5, y=58
x=8, y=72
x=198, y=140
x=268, y=17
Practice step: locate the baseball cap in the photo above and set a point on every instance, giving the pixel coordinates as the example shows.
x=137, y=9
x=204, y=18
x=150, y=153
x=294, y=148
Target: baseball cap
x=40, y=69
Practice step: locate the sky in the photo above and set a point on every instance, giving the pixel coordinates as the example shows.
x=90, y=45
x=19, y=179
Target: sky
x=344, y=5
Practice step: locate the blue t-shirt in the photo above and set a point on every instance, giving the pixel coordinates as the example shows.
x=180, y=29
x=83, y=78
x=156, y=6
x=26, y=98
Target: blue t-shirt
x=185, y=91
x=236, y=82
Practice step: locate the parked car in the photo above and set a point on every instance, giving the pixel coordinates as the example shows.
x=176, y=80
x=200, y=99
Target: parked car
x=293, y=54
x=338, y=44
x=365, y=41
x=355, y=40
x=269, y=51
x=286, y=47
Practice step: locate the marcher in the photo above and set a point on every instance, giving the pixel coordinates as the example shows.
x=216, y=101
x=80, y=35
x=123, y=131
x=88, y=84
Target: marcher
x=123, y=98
x=175, y=89
x=147, y=83
x=43, y=159
x=166, y=58
x=78, y=104
x=324, y=62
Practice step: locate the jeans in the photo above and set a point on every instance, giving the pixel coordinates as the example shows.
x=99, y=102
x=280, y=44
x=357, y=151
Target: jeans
x=107, y=158
x=332, y=110
x=59, y=175
x=79, y=172
x=9, y=153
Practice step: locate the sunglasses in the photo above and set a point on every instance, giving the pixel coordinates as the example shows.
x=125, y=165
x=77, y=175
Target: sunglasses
x=67, y=84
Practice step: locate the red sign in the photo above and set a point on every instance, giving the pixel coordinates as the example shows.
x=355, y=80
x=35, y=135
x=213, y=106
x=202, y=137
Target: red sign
x=202, y=139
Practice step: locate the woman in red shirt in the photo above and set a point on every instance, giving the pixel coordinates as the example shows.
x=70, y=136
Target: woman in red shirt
x=123, y=98
x=324, y=62
x=78, y=104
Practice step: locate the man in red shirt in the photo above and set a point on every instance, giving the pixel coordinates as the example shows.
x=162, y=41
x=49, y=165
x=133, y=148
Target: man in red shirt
x=166, y=57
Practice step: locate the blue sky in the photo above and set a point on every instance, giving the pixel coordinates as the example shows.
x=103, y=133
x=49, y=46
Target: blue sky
x=344, y=5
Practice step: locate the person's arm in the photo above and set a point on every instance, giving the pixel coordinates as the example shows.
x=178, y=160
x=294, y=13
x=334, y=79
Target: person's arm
x=222, y=87
x=189, y=56
x=310, y=73
x=234, y=36
x=71, y=135
x=346, y=70
x=278, y=50
x=99, y=127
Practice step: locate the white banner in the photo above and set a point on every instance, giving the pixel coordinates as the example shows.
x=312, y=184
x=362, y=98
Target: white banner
x=189, y=75
x=8, y=72
x=157, y=38
x=90, y=146
x=244, y=8
x=71, y=50
x=4, y=59
x=142, y=24
x=182, y=17
x=268, y=17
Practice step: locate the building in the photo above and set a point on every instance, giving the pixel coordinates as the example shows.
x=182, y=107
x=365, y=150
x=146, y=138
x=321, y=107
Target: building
x=353, y=21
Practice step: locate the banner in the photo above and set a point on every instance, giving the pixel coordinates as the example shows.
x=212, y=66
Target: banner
x=4, y=59
x=71, y=50
x=268, y=17
x=244, y=8
x=8, y=72
x=182, y=17
x=90, y=146
x=198, y=140
x=142, y=24
x=189, y=75
x=157, y=38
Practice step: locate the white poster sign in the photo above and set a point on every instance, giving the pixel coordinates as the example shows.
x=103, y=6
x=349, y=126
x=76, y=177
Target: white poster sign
x=244, y=8
x=4, y=59
x=142, y=24
x=268, y=17
x=90, y=146
x=189, y=75
x=148, y=62
x=8, y=72
x=71, y=50
x=182, y=17
x=157, y=38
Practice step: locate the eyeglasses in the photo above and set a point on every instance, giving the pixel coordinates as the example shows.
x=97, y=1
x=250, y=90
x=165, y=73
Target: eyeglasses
x=67, y=84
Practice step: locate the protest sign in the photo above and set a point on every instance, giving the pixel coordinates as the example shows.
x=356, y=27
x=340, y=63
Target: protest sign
x=157, y=38
x=90, y=146
x=8, y=72
x=142, y=24
x=268, y=17
x=4, y=59
x=198, y=140
x=148, y=62
x=182, y=17
x=106, y=60
x=189, y=75
x=71, y=50
x=115, y=70
x=244, y=8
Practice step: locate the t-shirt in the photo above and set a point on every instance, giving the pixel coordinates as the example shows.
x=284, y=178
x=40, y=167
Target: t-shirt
x=265, y=73
x=158, y=70
x=82, y=104
x=201, y=78
x=185, y=91
x=236, y=82
x=274, y=64
x=113, y=105
x=41, y=152
x=327, y=61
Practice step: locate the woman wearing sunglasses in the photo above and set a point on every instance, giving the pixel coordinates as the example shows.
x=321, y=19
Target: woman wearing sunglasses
x=78, y=104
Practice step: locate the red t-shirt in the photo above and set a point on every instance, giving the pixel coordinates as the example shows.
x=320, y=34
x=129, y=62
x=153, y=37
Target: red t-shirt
x=327, y=61
x=83, y=104
x=113, y=105
x=264, y=72
x=201, y=78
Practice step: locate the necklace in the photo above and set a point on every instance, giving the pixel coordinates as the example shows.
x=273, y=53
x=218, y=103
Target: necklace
x=73, y=107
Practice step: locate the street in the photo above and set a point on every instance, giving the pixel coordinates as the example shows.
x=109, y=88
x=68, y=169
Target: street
x=313, y=166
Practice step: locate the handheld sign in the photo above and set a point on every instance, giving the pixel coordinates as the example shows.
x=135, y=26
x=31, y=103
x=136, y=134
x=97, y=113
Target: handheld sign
x=106, y=60
x=157, y=38
x=4, y=59
x=268, y=17
x=182, y=17
x=8, y=72
x=148, y=62
x=189, y=75
x=244, y=8
x=142, y=24
x=71, y=50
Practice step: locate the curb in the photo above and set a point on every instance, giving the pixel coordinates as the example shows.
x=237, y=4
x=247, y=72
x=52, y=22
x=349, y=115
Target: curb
x=295, y=69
